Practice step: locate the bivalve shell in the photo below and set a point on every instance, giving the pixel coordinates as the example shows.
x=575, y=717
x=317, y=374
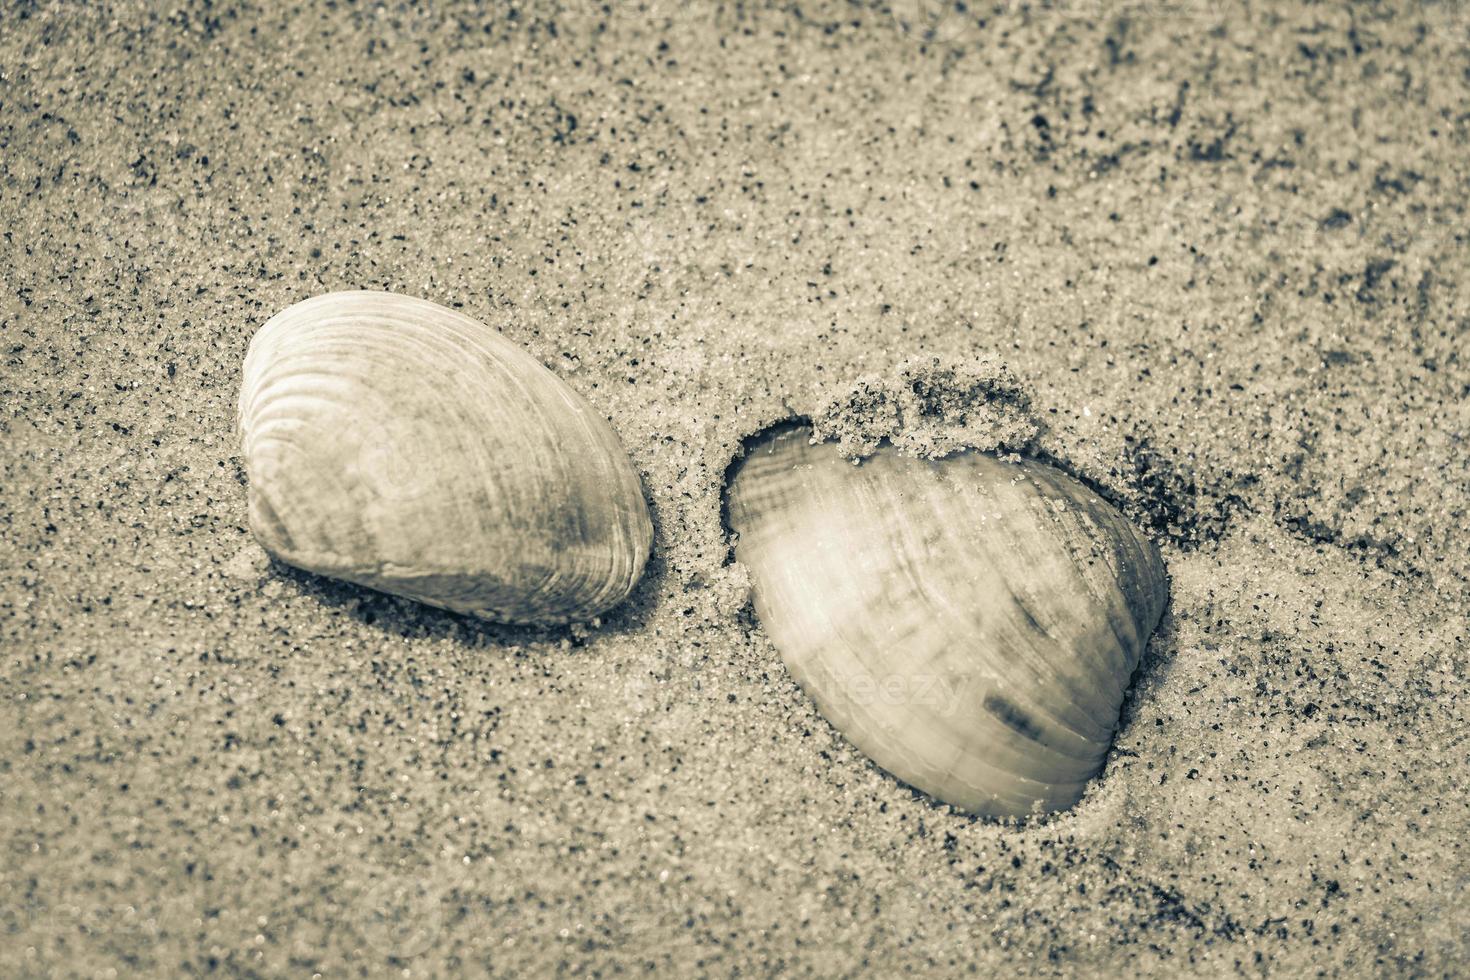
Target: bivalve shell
x=401, y=445
x=970, y=623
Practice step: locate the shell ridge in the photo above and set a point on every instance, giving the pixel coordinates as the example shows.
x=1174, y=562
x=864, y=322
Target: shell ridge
x=1127, y=564
x=1063, y=527
x=958, y=507
x=1057, y=739
x=1041, y=667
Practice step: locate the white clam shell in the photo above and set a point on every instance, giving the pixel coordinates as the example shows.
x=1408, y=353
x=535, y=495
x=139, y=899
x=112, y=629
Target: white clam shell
x=970, y=623
x=396, y=443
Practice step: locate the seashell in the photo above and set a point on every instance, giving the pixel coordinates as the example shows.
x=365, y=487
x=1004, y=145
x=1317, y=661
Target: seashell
x=970, y=623
x=409, y=448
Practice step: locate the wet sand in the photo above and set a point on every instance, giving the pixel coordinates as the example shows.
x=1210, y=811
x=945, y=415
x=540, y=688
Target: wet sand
x=1224, y=251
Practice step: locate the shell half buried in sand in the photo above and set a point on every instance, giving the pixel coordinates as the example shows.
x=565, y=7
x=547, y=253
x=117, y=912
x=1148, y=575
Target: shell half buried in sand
x=409, y=448
x=970, y=623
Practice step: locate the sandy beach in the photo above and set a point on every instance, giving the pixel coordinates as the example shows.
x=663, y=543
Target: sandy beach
x=1224, y=249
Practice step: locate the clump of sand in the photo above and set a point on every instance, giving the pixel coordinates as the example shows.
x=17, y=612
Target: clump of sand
x=931, y=406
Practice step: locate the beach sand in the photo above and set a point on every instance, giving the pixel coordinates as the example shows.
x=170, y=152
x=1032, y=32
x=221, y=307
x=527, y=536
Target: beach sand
x=1223, y=248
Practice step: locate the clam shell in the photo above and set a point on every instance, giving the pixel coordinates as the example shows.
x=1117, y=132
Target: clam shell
x=409, y=448
x=970, y=623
